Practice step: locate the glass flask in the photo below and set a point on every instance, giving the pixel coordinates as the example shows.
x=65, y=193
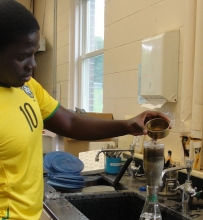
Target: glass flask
x=151, y=209
x=153, y=164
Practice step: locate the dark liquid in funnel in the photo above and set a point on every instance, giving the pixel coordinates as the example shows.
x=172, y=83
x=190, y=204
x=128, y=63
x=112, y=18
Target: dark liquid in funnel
x=153, y=165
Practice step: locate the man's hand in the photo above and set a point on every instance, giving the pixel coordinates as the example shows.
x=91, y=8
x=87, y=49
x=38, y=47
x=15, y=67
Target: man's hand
x=137, y=124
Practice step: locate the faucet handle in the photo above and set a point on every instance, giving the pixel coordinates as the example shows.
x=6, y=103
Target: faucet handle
x=179, y=187
x=197, y=194
x=132, y=169
x=189, y=163
x=192, y=191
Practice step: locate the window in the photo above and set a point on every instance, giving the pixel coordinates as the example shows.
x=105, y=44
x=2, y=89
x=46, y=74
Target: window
x=87, y=43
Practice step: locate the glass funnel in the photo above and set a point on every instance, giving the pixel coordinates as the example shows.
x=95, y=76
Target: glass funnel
x=153, y=163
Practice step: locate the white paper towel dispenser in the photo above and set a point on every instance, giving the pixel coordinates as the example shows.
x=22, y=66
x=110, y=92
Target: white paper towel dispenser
x=159, y=67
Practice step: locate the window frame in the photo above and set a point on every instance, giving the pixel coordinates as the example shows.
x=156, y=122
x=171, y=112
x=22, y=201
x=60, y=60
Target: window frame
x=78, y=44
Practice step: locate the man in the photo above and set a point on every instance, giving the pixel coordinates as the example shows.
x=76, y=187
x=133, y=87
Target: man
x=26, y=108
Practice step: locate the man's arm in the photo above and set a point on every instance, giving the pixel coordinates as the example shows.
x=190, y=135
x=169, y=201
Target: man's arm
x=84, y=127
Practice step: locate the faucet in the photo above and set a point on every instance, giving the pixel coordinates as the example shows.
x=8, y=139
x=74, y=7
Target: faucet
x=132, y=169
x=188, y=191
x=188, y=167
x=131, y=150
x=126, y=164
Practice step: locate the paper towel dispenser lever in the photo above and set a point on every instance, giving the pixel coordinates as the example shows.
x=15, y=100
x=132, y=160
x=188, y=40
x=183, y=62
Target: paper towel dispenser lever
x=159, y=67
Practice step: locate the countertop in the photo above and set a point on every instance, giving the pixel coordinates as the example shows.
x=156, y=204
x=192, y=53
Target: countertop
x=61, y=209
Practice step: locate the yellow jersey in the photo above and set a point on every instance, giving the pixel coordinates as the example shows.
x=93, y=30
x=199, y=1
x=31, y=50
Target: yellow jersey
x=22, y=112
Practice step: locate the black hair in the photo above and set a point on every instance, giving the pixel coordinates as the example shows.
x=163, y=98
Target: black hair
x=15, y=20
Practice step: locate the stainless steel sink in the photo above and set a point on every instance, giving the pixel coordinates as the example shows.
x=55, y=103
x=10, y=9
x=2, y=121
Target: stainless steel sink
x=104, y=182
x=99, y=182
x=117, y=205
x=109, y=206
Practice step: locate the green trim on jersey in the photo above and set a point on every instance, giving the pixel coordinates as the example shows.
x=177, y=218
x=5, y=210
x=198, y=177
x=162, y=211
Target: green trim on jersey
x=52, y=113
x=7, y=215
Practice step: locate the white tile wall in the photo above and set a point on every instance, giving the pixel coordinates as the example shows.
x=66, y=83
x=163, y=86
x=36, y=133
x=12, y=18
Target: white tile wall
x=126, y=24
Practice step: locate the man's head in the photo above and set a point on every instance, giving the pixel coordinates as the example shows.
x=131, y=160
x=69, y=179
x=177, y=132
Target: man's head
x=19, y=41
x=15, y=20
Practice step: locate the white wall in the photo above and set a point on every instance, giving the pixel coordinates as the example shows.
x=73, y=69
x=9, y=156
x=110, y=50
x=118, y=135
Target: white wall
x=127, y=23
